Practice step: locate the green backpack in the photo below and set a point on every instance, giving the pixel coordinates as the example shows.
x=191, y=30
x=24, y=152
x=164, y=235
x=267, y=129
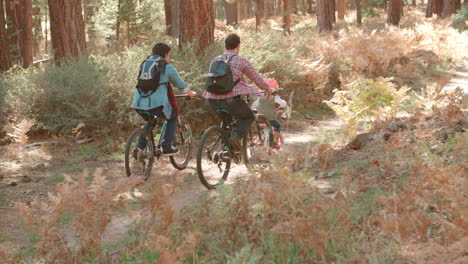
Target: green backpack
x=220, y=79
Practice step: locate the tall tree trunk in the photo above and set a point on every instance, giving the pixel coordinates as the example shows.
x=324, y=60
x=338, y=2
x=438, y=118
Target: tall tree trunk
x=324, y=20
x=37, y=30
x=357, y=6
x=413, y=3
x=26, y=31
x=449, y=8
x=241, y=14
x=197, y=26
x=90, y=26
x=4, y=51
x=168, y=13
x=259, y=14
x=14, y=37
x=394, y=12
x=332, y=9
x=67, y=27
x=287, y=17
x=341, y=8
x=309, y=7
x=232, y=17
x=46, y=35
x=434, y=7
x=175, y=14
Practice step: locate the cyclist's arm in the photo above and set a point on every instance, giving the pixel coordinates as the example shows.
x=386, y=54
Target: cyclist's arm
x=175, y=78
x=255, y=103
x=177, y=81
x=281, y=102
x=255, y=77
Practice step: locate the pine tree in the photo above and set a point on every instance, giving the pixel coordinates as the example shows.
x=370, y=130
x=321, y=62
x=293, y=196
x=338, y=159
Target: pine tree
x=4, y=51
x=67, y=28
x=324, y=20
x=197, y=26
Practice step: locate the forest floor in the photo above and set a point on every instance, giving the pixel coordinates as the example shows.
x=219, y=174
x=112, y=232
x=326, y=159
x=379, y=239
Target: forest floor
x=29, y=174
x=32, y=173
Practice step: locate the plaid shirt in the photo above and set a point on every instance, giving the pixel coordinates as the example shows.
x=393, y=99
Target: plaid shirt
x=239, y=67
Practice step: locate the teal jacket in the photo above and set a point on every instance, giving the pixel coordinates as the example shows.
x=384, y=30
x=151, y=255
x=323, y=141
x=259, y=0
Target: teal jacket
x=160, y=98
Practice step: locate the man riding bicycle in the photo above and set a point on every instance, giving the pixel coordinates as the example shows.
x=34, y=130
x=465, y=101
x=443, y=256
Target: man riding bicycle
x=232, y=101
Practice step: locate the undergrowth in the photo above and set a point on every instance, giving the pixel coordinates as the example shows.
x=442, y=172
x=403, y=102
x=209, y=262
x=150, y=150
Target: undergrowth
x=404, y=188
x=96, y=91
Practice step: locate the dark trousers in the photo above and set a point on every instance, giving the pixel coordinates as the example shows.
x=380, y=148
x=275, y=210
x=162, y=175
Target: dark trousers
x=238, y=109
x=169, y=135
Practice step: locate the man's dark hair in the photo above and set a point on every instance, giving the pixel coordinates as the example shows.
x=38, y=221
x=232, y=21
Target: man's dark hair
x=232, y=41
x=161, y=49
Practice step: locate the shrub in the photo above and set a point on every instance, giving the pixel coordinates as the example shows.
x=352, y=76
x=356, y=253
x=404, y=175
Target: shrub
x=367, y=100
x=459, y=21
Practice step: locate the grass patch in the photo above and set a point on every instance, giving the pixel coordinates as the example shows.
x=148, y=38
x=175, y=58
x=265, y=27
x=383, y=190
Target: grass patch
x=56, y=179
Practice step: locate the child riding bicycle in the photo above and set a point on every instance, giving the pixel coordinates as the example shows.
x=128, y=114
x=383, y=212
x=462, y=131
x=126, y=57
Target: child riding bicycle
x=266, y=106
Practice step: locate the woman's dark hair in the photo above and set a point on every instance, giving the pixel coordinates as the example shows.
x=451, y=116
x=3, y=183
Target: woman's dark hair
x=232, y=41
x=161, y=49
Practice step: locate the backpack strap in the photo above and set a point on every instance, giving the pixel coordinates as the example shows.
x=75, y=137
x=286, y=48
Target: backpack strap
x=235, y=82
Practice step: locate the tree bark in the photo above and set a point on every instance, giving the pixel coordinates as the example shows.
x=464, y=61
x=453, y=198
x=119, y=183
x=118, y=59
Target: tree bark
x=26, y=31
x=434, y=7
x=357, y=6
x=287, y=17
x=259, y=13
x=309, y=7
x=324, y=20
x=341, y=8
x=197, y=26
x=394, y=12
x=232, y=17
x=67, y=27
x=175, y=14
x=14, y=39
x=332, y=8
x=449, y=7
x=168, y=15
x=90, y=26
x=37, y=30
x=4, y=51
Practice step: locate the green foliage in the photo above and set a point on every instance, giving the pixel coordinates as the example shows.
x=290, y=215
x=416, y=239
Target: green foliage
x=369, y=7
x=2, y=102
x=367, y=100
x=459, y=21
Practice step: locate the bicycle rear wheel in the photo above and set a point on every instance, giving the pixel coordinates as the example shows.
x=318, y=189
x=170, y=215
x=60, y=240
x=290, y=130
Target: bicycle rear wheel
x=258, y=140
x=213, y=157
x=139, y=162
x=183, y=141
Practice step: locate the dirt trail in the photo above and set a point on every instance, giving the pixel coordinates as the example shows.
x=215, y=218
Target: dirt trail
x=36, y=171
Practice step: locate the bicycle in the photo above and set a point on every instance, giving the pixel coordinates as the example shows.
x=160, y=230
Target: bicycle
x=139, y=162
x=215, y=154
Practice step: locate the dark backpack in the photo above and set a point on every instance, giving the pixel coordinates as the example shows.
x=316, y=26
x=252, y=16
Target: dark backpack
x=150, y=74
x=220, y=79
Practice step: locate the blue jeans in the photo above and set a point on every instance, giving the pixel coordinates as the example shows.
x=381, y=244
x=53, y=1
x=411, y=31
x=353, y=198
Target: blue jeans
x=276, y=124
x=169, y=134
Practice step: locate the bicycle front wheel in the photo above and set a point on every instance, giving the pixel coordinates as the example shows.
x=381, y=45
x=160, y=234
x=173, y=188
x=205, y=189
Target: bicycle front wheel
x=183, y=141
x=139, y=156
x=213, y=157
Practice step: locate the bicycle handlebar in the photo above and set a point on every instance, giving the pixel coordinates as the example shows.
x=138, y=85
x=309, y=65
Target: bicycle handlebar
x=187, y=97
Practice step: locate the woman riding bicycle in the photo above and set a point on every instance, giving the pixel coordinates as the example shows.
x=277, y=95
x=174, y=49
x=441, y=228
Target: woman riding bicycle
x=161, y=102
